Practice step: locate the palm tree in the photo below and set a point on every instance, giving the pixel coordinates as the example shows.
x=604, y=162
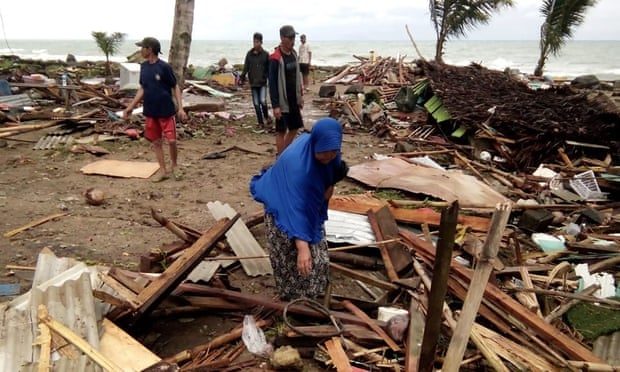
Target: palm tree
x=561, y=17
x=452, y=18
x=181, y=38
x=109, y=45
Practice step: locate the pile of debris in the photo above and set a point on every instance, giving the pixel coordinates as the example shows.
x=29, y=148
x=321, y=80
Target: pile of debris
x=376, y=71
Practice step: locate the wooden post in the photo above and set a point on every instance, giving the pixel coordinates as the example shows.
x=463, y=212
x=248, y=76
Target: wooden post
x=460, y=337
x=416, y=324
x=439, y=286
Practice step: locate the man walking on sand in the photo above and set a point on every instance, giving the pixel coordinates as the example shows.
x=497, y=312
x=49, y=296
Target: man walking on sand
x=157, y=81
x=285, y=89
x=256, y=66
x=305, y=59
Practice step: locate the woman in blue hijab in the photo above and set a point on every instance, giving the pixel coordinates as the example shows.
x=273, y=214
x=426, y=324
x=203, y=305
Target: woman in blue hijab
x=295, y=192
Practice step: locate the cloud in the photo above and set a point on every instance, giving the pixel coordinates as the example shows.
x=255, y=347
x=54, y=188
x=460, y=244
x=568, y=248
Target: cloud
x=321, y=19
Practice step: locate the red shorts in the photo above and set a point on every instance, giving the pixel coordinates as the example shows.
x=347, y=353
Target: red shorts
x=156, y=128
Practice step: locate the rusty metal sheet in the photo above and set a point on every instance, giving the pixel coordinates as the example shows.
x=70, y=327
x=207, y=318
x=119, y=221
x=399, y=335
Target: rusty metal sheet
x=398, y=174
x=242, y=241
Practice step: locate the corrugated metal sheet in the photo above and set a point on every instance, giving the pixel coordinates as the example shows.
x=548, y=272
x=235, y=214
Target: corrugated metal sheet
x=51, y=142
x=608, y=348
x=242, y=241
x=64, y=286
x=345, y=227
x=17, y=100
x=203, y=272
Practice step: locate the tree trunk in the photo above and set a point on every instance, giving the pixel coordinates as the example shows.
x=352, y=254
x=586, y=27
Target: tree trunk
x=439, y=49
x=544, y=50
x=181, y=38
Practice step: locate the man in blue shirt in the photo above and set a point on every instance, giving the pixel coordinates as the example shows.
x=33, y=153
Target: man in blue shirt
x=157, y=82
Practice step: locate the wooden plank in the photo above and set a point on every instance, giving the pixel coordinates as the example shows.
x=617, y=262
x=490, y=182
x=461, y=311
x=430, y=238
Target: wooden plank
x=548, y=333
x=356, y=274
x=77, y=341
x=415, y=216
x=30, y=225
x=115, y=344
x=414, y=337
x=460, y=336
x=401, y=258
x=126, y=281
x=45, y=342
x=369, y=322
x=127, y=295
x=337, y=354
x=383, y=248
x=166, y=282
x=269, y=303
x=439, y=286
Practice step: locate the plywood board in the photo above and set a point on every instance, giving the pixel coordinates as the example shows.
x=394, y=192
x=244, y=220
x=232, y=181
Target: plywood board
x=121, y=168
x=115, y=344
x=446, y=185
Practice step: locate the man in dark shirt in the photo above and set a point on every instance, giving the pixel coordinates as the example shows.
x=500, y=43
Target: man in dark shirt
x=157, y=81
x=256, y=65
x=285, y=89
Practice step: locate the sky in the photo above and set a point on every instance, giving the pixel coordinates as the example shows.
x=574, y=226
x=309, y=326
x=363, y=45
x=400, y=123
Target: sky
x=319, y=19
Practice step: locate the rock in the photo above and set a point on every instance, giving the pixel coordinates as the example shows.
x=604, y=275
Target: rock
x=71, y=59
x=286, y=358
x=327, y=91
x=355, y=89
x=585, y=82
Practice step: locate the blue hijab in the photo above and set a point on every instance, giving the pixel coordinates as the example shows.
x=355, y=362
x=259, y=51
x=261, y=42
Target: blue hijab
x=293, y=189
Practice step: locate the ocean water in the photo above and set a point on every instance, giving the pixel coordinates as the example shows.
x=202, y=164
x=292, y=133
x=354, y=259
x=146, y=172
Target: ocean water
x=601, y=58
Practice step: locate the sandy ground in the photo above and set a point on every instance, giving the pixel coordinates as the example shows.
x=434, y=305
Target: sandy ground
x=36, y=184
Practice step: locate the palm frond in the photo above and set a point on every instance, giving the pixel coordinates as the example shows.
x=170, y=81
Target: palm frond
x=561, y=19
x=456, y=17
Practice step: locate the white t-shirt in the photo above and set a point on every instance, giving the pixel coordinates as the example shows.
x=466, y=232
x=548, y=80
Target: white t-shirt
x=304, y=53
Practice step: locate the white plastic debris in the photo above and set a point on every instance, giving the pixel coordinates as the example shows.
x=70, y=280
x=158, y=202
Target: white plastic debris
x=605, y=280
x=549, y=243
x=254, y=338
x=425, y=161
x=541, y=171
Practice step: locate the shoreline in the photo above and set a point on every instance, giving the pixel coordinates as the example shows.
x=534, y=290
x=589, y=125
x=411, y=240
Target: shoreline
x=577, y=58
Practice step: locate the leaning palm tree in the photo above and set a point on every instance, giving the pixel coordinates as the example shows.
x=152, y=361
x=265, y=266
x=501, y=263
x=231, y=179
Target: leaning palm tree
x=109, y=45
x=561, y=17
x=452, y=18
x=181, y=38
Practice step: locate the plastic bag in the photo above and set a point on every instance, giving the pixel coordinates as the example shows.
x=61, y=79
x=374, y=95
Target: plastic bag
x=254, y=338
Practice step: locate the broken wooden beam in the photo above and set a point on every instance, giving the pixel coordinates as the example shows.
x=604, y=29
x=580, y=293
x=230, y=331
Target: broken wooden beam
x=362, y=315
x=460, y=336
x=156, y=291
x=439, y=286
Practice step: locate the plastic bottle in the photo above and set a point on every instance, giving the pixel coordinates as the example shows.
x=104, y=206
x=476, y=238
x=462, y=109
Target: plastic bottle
x=63, y=79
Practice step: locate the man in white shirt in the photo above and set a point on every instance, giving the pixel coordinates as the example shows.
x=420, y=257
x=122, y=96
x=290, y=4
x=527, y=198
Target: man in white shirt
x=305, y=57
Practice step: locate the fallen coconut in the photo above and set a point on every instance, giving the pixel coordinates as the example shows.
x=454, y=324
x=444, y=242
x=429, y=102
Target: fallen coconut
x=94, y=196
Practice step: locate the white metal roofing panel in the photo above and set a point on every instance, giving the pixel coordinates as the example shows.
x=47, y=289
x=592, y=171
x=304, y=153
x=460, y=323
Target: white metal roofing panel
x=345, y=227
x=203, y=272
x=69, y=299
x=242, y=241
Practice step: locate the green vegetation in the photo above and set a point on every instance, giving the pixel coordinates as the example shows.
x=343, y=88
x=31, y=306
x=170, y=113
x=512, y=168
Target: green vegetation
x=593, y=321
x=561, y=17
x=452, y=18
x=109, y=45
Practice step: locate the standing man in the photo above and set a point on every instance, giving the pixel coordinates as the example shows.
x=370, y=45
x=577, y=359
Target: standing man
x=305, y=58
x=157, y=81
x=285, y=89
x=257, y=66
